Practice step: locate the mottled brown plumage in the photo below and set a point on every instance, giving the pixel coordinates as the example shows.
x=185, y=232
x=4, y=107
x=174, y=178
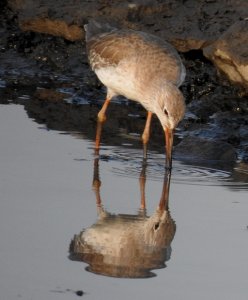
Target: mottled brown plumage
x=141, y=67
x=141, y=49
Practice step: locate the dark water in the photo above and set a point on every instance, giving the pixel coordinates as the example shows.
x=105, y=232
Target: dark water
x=47, y=198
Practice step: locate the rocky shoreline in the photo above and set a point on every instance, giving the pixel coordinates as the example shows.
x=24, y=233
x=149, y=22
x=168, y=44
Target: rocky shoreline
x=42, y=56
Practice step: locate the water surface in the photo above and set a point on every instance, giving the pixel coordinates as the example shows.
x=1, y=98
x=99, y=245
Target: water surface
x=47, y=198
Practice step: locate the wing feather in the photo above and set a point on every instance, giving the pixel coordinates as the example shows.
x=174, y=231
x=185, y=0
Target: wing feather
x=145, y=50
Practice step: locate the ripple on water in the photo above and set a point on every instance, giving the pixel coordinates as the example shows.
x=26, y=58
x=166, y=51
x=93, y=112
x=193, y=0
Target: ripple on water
x=182, y=173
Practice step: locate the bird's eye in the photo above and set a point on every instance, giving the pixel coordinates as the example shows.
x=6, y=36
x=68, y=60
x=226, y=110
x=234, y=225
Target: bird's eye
x=166, y=112
x=156, y=225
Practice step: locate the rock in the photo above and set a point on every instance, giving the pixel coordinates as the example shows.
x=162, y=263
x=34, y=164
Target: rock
x=187, y=44
x=230, y=53
x=50, y=95
x=188, y=25
x=240, y=173
x=200, y=149
x=54, y=27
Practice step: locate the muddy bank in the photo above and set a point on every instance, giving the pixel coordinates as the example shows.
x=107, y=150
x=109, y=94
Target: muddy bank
x=47, y=70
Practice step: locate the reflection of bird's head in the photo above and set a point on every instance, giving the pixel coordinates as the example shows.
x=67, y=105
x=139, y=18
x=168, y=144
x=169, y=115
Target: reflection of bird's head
x=160, y=229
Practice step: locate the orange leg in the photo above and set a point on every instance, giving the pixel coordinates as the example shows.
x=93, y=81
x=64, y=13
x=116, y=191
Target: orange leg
x=101, y=118
x=146, y=133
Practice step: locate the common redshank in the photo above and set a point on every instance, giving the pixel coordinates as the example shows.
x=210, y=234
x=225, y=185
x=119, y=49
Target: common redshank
x=141, y=67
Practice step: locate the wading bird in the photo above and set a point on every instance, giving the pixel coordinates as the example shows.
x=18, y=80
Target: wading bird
x=140, y=67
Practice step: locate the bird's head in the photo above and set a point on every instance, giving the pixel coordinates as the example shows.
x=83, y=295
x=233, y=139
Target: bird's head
x=170, y=106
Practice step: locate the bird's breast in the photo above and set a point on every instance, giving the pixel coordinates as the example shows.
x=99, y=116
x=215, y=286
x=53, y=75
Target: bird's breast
x=120, y=82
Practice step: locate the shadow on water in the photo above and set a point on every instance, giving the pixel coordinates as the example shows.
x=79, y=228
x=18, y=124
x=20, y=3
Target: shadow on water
x=124, y=245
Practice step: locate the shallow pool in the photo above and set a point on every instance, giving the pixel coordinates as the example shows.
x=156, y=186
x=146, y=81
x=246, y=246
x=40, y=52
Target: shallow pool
x=47, y=198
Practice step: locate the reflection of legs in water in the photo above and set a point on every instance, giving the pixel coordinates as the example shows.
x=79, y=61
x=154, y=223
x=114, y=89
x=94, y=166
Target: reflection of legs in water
x=97, y=183
x=142, y=182
x=164, y=200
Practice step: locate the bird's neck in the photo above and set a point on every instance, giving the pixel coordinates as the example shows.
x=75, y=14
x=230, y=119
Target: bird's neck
x=154, y=91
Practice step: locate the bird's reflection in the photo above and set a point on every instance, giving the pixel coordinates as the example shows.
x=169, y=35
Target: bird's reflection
x=123, y=245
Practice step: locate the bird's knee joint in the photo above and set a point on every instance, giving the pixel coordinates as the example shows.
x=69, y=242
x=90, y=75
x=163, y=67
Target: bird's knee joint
x=145, y=138
x=101, y=118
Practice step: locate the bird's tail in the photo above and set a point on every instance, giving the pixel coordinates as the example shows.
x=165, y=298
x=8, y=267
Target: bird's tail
x=94, y=28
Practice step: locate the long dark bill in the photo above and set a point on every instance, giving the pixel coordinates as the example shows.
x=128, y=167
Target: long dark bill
x=168, y=147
